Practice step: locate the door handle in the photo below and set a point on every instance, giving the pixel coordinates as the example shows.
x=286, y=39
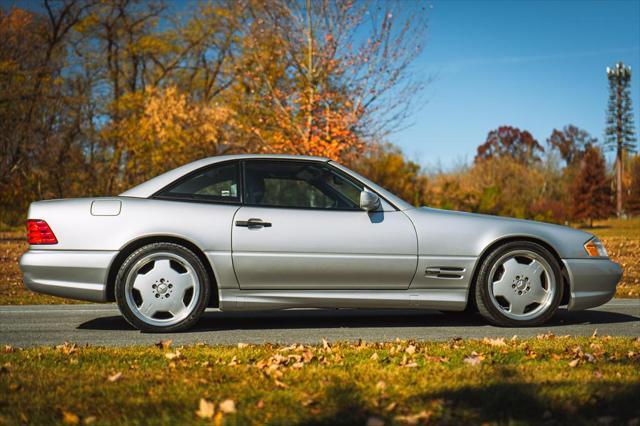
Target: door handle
x=253, y=223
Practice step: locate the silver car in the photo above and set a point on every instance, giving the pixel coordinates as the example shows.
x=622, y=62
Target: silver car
x=249, y=232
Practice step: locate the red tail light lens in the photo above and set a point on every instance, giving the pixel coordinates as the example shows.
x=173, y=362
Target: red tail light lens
x=39, y=232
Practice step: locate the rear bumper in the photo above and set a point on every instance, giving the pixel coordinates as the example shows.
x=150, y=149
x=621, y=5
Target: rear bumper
x=80, y=275
x=592, y=281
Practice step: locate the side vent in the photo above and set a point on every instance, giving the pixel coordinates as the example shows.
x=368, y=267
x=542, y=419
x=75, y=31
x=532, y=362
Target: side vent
x=445, y=272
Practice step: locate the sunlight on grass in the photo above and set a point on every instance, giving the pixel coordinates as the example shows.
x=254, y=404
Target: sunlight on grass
x=493, y=380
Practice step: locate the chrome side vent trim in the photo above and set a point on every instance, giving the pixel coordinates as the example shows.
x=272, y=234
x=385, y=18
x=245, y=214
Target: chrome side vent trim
x=445, y=272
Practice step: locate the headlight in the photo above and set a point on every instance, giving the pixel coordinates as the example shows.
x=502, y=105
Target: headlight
x=594, y=247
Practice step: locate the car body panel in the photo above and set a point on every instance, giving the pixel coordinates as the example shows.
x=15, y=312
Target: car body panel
x=397, y=257
x=318, y=249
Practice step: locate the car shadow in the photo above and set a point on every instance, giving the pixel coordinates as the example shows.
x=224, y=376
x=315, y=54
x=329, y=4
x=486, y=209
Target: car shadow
x=352, y=318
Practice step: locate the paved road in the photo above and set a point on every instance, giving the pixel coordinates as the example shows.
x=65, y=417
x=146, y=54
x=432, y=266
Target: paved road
x=24, y=326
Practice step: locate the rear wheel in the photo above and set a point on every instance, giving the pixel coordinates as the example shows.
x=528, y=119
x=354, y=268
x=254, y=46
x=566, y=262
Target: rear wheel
x=162, y=287
x=519, y=284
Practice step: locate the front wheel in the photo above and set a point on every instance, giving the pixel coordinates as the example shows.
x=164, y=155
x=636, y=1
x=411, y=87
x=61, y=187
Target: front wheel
x=519, y=284
x=162, y=287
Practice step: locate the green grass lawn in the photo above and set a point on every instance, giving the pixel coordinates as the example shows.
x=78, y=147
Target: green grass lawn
x=546, y=379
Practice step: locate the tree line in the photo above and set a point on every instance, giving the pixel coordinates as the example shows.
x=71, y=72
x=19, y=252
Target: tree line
x=99, y=95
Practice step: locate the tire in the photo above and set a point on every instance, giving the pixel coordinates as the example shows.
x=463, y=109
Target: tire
x=519, y=284
x=162, y=288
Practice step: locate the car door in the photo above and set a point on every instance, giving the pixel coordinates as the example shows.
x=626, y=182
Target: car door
x=301, y=227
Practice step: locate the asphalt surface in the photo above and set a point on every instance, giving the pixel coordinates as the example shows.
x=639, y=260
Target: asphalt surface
x=24, y=326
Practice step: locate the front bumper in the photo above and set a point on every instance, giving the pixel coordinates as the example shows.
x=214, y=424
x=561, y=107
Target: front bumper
x=592, y=281
x=71, y=274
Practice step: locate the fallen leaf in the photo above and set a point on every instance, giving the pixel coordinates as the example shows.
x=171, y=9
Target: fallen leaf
x=410, y=350
x=70, y=418
x=414, y=419
x=325, y=345
x=494, y=342
x=595, y=333
x=115, y=377
x=173, y=355
x=164, y=344
x=227, y=406
x=374, y=357
x=574, y=362
x=68, y=348
x=473, y=359
x=260, y=404
x=242, y=345
x=89, y=420
x=205, y=409
x=375, y=421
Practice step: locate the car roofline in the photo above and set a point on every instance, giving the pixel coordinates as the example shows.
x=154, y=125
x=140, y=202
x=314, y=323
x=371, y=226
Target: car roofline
x=153, y=185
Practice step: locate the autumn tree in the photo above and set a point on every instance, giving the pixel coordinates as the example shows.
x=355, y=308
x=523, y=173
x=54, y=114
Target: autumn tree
x=571, y=142
x=317, y=85
x=386, y=165
x=633, y=199
x=591, y=191
x=507, y=141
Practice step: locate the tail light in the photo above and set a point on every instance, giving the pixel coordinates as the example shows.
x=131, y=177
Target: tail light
x=39, y=232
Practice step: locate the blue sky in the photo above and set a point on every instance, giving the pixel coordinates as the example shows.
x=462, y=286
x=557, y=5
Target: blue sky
x=537, y=65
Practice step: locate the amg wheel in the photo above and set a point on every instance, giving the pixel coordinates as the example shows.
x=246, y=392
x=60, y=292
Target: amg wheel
x=162, y=287
x=519, y=284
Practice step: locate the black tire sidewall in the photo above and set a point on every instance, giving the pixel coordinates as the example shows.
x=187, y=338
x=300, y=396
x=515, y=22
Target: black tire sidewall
x=196, y=264
x=482, y=290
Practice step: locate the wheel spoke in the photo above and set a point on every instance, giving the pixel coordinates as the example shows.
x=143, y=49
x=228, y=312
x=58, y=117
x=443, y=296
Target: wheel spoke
x=176, y=307
x=538, y=294
x=181, y=282
x=148, y=308
x=535, y=269
x=517, y=306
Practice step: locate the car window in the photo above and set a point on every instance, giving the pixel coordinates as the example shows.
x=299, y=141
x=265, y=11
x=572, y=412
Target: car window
x=216, y=183
x=298, y=184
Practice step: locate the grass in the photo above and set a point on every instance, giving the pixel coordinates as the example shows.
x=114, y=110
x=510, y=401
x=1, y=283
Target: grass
x=546, y=379
x=621, y=237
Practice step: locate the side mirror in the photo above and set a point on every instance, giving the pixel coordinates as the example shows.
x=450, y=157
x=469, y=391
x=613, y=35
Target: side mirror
x=369, y=201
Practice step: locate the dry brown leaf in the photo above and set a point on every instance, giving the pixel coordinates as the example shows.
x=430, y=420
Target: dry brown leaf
x=227, y=406
x=411, y=349
x=89, y=420
x=173, y=355
x=70, y=418
x=164, y=344
x=325, y=345
x=374, y=357
x=494, y=342
x=115, y=377
x=414, y=419
x=574, y=362
x=68, y=348
x=242, y=345
x=375, y=421
x=473, y=359
x=205, y=409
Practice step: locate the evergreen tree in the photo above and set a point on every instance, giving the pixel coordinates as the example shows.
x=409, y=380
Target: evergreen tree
x=620, y=132
x=590, y=191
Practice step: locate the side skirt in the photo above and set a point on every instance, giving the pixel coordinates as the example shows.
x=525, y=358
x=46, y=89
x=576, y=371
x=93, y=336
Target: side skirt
x=251, y=300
